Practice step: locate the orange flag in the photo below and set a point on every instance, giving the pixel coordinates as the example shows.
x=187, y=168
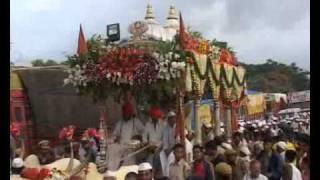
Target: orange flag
x=82, y=45
x=182, y=33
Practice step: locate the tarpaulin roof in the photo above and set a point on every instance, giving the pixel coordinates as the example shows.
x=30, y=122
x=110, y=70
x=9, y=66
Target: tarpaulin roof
x=54, y=106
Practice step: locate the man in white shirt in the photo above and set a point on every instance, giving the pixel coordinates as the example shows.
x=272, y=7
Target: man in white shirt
x=153, y=135
x=255, y=172
x=153, y=132
x=168, y=140
x=129, y=126
x=126, y=129
x=290, y=169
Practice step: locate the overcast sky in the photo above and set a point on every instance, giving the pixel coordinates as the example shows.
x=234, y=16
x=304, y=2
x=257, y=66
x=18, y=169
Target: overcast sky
x=256, y=29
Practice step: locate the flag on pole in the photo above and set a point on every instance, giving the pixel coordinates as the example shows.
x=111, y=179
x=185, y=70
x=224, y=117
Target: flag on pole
x=182, y=34
x=82, y=45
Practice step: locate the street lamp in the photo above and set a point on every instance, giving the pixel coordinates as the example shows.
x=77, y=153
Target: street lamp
x=113, y=32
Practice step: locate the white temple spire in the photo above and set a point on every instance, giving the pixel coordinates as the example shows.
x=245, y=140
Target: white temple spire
x=149, y=13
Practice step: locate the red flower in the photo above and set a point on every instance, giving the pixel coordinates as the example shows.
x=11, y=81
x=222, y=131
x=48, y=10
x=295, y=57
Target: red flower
x=44, y=173
x=15, y=129
x=67, y=132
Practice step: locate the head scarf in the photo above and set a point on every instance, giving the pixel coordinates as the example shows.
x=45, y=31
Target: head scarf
x=127, y=110
x=223, y=169
x=155, y=113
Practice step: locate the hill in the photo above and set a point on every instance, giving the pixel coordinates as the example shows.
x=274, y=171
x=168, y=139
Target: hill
x=273, y=76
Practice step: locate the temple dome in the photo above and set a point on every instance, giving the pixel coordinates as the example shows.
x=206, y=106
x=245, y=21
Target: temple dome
x=172, y=23
x=155, y=30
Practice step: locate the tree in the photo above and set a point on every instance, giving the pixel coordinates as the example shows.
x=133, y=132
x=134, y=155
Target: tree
x=273, y=76
x=37, y=63
x=51, y=63
x=42, y=63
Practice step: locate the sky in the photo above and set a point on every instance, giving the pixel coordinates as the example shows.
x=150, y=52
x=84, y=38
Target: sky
x=256, y=29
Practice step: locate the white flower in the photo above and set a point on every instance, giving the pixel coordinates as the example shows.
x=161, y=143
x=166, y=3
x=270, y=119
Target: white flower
x=174, y=64
x=183, y=64
x=108, y=75
x=70, y=76
x=66, y=81
x=178, y=74
x=177, y=56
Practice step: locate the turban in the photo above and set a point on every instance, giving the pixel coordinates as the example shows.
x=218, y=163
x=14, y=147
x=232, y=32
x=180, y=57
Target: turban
x=282, y=145
x=127, y=110
x=291, y=146
x=155, y=113
x=230, y=152
x=223, y=169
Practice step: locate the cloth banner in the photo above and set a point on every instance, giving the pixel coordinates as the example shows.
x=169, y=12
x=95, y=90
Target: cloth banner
x=205, y=110
x=255, y=104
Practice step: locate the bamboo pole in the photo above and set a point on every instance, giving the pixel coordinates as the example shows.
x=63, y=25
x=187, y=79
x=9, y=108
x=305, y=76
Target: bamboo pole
x=217, y=123
x=197, y=118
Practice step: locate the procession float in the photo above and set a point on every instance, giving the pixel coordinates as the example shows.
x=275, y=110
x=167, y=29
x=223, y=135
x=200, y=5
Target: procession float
x=157, y=65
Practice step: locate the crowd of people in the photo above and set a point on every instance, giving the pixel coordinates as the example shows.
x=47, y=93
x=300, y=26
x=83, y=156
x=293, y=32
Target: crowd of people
x=274, y=149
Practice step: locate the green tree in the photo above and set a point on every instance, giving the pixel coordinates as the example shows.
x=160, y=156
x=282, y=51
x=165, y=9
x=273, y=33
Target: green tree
x=42, y=63
x=37, y=62
x=273, y=76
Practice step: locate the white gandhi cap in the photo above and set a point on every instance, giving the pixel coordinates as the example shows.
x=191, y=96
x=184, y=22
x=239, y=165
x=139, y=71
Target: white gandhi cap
x=144, y=166
x=17, y=163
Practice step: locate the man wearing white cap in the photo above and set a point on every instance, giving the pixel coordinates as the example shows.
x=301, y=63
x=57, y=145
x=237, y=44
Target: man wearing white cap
x=281, y=148
x=17, y=166
x=244, y=160
x=145, y=171
x=168, y=140
x=207, y=132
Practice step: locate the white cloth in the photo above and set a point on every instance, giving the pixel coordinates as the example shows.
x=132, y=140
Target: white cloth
x=189, y=147
x=168, y=138
x=296, y=174
x=153, y=133
x=260, y=177
x=126, y=129
x=274, y=132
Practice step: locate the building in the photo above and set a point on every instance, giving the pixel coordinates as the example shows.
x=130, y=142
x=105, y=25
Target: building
x=299, y=99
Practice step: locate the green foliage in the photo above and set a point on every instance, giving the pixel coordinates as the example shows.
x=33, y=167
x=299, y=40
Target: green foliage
x=41, y=63
x=194, y=34
x=273, y=76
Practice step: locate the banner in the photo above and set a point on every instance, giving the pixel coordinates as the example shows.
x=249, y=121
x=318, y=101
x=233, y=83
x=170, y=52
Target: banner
x=255, y=104
x=301, y=96
x=204, y=113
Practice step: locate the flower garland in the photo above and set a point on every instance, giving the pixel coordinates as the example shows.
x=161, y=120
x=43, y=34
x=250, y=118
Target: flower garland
x=67, y=132
x=91, y=133
x=15, y=129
